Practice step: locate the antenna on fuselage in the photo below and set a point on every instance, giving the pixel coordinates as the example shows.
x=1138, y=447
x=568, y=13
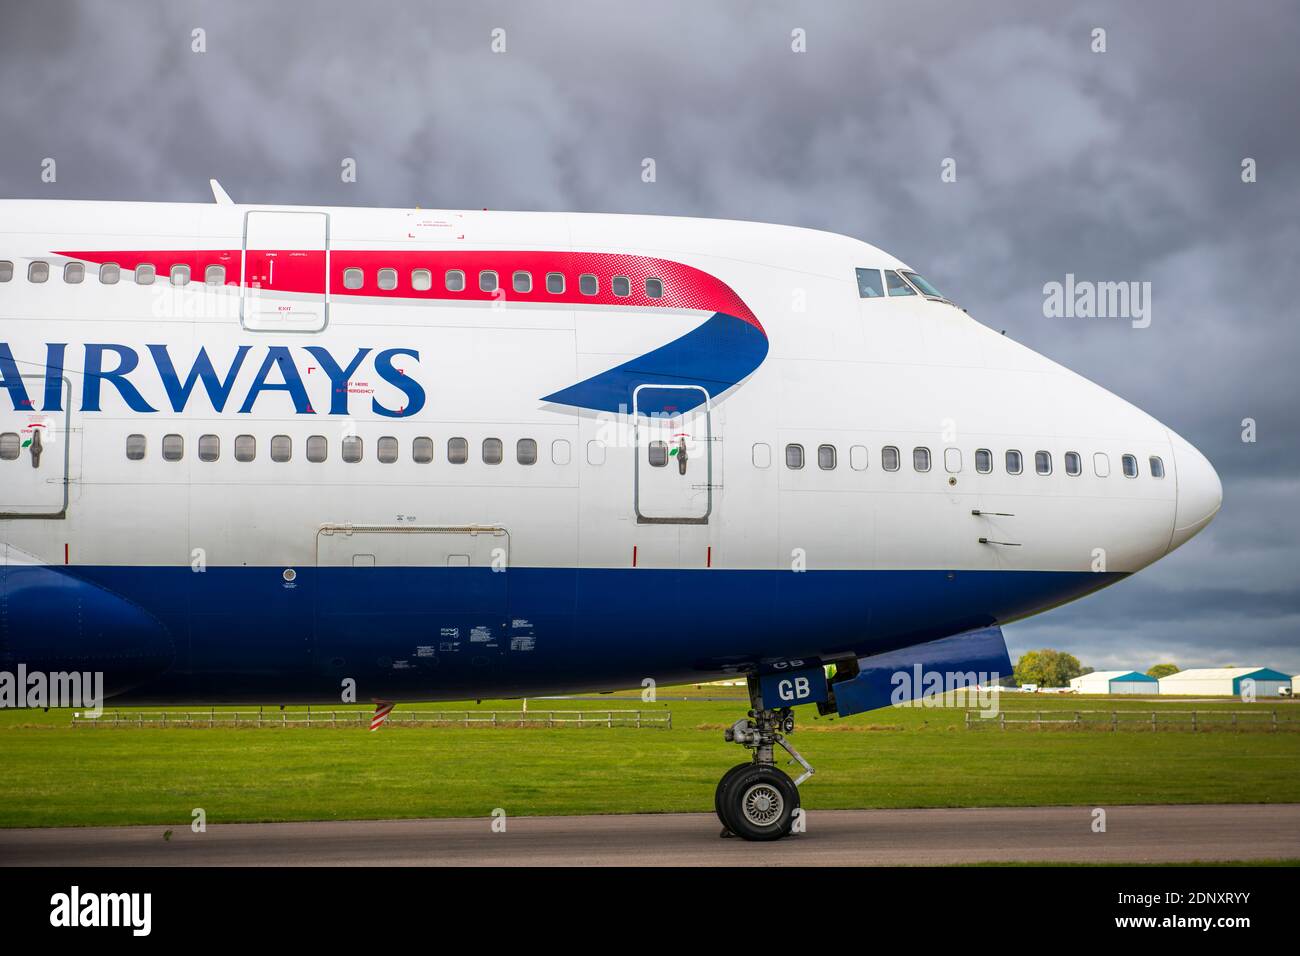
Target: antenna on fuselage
x=220, y=195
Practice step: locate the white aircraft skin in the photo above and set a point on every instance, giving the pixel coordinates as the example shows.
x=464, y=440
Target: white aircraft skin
x=273, y=580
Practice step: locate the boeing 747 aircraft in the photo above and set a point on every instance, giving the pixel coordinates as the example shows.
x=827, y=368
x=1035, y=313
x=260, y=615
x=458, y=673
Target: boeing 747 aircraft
x=262, y=453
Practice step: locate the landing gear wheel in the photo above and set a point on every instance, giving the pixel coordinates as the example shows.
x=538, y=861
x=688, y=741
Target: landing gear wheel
x=722, y=786
x=759, y=803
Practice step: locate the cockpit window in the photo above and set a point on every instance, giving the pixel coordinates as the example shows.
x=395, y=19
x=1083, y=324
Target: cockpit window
x=924, y=284
x=869, y=284
x=896, y=284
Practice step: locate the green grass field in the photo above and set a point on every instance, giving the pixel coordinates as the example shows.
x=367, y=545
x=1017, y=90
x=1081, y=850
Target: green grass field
x=57, y=775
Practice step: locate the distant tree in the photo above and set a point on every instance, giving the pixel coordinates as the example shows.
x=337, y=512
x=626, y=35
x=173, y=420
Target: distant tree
x=1163, y=670
x=1085, y=670
x=1047, y=668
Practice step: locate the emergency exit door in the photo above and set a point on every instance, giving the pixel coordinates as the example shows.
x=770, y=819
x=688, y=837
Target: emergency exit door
x=673, y=474
x=34, y=449
x=285, y=285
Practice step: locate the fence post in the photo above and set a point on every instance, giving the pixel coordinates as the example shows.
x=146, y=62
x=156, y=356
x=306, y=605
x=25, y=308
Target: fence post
x=1193, y=720
x=1003, y=719
x=968, y=720
x=609, y=719
x=1234, y=720
x=1114, y=721
x=1275, y=720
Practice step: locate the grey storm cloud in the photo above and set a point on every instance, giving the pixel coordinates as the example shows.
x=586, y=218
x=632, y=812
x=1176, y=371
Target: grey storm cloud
x=1115, y=166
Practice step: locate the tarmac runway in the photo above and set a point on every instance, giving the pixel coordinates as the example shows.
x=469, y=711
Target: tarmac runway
x=1134, y=834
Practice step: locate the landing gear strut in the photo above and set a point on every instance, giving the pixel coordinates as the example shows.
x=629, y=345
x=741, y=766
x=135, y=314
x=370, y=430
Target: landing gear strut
x=756, y=800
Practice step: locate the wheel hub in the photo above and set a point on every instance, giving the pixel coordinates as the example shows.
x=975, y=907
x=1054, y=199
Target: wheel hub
x=762, y=804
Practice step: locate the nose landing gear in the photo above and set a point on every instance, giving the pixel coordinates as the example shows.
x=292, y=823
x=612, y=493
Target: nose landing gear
x=756, y=800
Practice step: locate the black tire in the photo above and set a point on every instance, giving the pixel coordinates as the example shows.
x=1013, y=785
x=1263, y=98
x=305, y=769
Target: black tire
x=759, y=804
x=722, y=785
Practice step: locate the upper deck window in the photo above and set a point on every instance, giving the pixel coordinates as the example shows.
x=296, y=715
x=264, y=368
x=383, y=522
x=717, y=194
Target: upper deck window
x=353, y=278
x=387, y=279
x=1157, y=467
x=621, y=286
x=869, y=284
x=654, y=288
x=588, y=284
x=109, y=273
x=487, y=281
x=38, y=271
x=522, y=281
x=74, y=272
x=454, y=280
x=555, y=283
x=896, y=284
x=6, y=270
x=214, y=275
x=421, y=280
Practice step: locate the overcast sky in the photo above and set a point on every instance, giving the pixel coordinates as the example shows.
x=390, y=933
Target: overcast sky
x=1123, y=165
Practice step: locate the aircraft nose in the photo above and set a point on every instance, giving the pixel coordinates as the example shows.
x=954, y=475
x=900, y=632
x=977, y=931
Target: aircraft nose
x=1200, y=493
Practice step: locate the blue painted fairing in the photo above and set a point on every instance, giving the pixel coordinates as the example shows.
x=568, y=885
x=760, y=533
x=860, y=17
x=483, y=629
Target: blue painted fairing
x=451, y=633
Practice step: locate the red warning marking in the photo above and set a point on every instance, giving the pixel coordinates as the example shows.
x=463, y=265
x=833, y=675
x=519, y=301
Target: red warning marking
x=634, y=556
x=708, y=563
x=65, y=552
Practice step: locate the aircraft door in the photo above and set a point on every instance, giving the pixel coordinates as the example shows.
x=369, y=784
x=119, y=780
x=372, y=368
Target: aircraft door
x=285, y=285
x=34, y=448
x=673, y=475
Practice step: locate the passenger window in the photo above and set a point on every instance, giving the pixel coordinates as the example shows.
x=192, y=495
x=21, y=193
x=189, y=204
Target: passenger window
x=595, y=452
x=858, y=458
x=6, y=270
x=74, y=273
x=1043, y=462
x=621, y=286
x=351, y=449
x=921, y=459
x=869, y=284
x=1101, y=464
x=493, y=451
x=889, y=458
x=654, y=288
x=1130, y=464
x=109, y=273
x=38, y=272
x=952, y=460
x=454, y=280
x=386, y=449
x=1073, y=464
x=387, y=280
x=180, y=275
x=487, y=281
x=761, y=455
x=457, y=451
x=209, y=447
x=526, y=451
x=245, y=448
x=422, y=450
x=896, y=284
x=145, y=273
x=794, y=457
x=173, y=448
x=134, y=447
x=522, y=281
x=826, y=457
x=588, y=284
x=214, y=275
x=983, y=460
x=561, y=453
x=1015, y=462
x=421, y=280
x=555, y=283
x=281, y=448
x=10, y=445
x=658, y=452
x=353, y=278
x=317, y=448
x=1157, y=467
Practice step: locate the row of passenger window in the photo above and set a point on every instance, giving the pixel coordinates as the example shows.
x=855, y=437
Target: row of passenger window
x=489, y=280
x=351, y=449
x=110, y=273
x=1013, y=460
x=521, y=281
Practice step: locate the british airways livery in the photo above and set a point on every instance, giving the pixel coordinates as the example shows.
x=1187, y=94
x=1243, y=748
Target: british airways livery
x=263, y=453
